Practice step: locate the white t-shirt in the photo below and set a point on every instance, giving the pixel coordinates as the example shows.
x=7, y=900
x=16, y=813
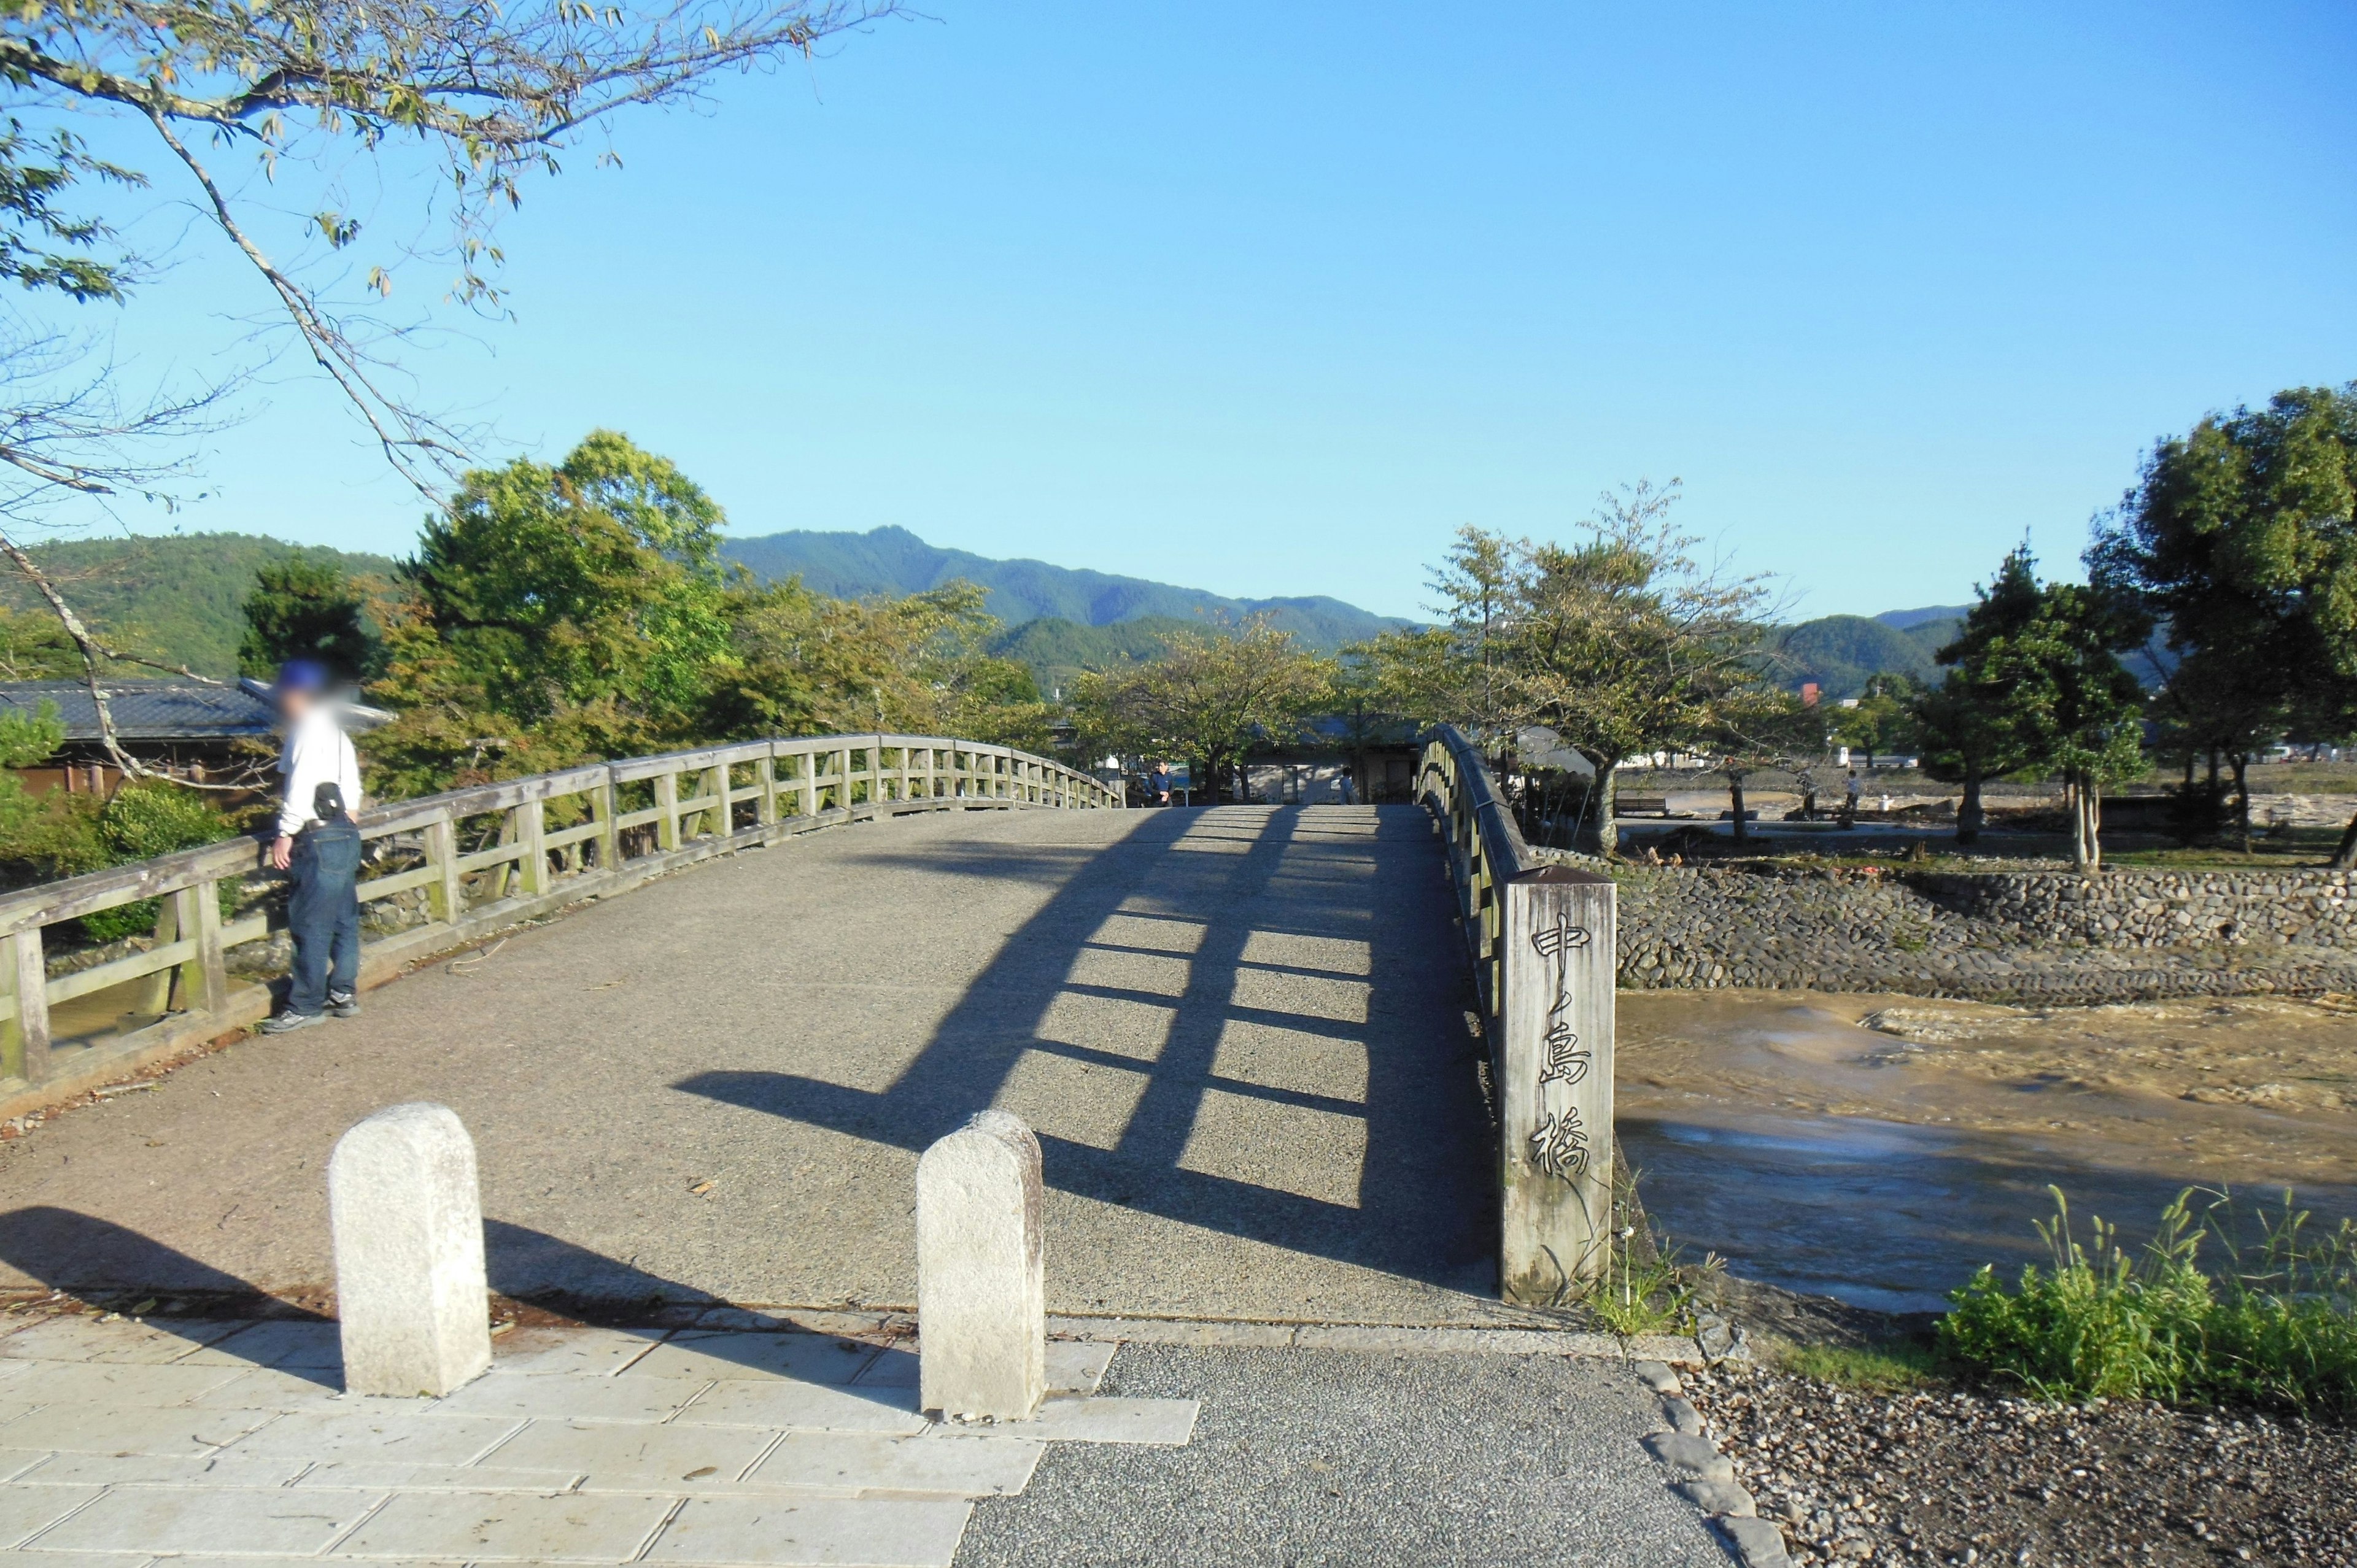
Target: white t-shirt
x=317, y=752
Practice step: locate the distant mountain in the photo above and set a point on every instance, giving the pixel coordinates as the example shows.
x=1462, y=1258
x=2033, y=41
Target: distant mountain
x=1907, y=620
x=894, y=561
x=179, y=597
x=1058, y=650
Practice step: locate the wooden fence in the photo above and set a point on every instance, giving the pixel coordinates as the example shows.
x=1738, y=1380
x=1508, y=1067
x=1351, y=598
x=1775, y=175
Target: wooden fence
x=447, y=869
x=1541, y=938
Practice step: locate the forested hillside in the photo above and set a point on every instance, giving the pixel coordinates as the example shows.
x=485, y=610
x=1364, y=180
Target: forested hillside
x=1841, y=652
x=1058, y=650
x=175, y=598
x=894, y=561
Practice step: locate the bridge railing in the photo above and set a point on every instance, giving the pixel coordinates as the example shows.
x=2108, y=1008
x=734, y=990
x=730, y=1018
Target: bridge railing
x=445, y=869
x=1541, y=938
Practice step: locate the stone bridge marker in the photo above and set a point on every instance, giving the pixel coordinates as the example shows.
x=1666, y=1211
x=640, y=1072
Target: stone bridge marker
x=407, y=1218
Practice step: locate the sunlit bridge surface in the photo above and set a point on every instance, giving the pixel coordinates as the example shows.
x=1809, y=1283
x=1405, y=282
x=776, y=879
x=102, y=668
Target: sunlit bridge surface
x=1241, y=1034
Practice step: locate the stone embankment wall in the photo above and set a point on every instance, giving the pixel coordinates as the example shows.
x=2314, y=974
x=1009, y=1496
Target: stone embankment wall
x=2050, y=937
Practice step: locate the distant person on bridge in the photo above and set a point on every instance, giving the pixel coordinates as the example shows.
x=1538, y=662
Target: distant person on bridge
x=319, y=849
x=1160, y=786
x=1850, y=788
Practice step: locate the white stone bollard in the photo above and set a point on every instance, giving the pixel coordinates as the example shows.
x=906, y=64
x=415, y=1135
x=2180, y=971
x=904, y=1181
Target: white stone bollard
x=982, y=1288
x=407, y=1218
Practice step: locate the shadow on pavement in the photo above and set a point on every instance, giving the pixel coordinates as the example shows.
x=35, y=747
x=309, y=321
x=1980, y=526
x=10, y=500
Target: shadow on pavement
x=98, y=1261
x=1261, y=890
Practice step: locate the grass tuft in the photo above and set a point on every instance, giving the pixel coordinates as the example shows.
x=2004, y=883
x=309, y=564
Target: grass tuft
x=1881, y=1368
x=2272, y=1324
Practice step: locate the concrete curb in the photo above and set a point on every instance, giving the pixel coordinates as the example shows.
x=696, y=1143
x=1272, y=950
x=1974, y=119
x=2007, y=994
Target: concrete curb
x=1680, y=1349
x=1674, y=1349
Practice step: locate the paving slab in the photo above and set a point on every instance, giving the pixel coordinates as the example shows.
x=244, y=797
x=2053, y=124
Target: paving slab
x=807, y=1357
x=778, y=1403
x=510, y=1527
x=502, y=1393
x=115, y=1428
x=26, y=1510
x=1241, y=1033
x=963, y=1466
x=396, y=1431
x=635, y=1456
x=276, y=1521
x=865, y=1532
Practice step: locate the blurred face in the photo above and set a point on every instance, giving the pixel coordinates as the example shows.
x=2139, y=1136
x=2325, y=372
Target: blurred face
x=293, y=705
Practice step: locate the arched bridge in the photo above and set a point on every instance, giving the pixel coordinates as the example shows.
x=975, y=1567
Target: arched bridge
x=1267, y=1080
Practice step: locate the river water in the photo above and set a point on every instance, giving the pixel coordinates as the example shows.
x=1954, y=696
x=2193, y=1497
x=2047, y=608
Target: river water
x=1879, y=1148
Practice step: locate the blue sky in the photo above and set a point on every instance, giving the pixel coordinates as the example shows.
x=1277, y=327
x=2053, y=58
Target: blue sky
x=1269, y=299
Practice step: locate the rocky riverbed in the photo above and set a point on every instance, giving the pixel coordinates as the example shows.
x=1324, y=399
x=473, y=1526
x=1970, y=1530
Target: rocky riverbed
x=1946, y=1475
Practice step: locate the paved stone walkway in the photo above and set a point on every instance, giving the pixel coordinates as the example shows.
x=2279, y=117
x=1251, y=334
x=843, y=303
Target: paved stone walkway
x=1241, y=1034
x=122, y=1443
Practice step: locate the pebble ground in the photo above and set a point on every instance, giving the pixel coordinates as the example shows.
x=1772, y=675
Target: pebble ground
x=1950, y=1477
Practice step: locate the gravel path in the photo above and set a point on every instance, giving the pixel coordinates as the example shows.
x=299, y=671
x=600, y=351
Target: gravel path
x=1304, y=1457
x=1956, y=1478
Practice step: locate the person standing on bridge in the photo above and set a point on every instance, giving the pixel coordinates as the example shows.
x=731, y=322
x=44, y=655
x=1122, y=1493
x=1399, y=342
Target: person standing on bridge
x=319, y=849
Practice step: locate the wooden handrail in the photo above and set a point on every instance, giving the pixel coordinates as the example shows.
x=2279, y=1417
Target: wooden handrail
x=1542, y=937
x=467, y=889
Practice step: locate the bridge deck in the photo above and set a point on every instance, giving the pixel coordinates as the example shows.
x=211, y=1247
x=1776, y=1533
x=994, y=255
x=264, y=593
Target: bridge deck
x=1241, y=1033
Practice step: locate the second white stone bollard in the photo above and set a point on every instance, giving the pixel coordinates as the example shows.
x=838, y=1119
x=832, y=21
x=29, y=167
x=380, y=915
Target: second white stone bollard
x=981, y=1292
x=407, y=1217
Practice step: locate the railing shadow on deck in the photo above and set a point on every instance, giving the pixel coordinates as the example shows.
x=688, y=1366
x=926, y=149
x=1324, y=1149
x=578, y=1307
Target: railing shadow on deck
x=447, y=869
x=1424, y=1192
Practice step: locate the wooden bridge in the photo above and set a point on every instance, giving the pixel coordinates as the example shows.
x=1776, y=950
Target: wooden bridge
x=1269, y=1084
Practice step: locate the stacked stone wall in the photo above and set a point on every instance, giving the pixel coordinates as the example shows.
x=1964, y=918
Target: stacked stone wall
x=2030, y=936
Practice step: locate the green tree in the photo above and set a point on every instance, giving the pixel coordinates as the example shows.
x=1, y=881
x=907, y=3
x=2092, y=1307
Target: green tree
x=1883, y=722
x=2241, y=538
x=554, y=615
x=597, y=580
x=35, y=648
x=1209, y=698
x=2035, y=682
x=1757, y=728
x=1966, y=723
x=1622, y=642
x=308, y=610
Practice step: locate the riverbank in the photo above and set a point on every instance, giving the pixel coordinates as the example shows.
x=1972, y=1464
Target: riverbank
x=2044, y=938
x=1939, y=1473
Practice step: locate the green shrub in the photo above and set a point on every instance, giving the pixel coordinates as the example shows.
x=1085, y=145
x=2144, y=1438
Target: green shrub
x=141, y=822
x=2274, y=1326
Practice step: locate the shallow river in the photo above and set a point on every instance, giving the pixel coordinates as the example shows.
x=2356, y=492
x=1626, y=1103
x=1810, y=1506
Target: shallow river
x=1879, y=1148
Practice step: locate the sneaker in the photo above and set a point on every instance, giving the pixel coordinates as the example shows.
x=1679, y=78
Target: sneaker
x=286, y=1023
x=343, y=1005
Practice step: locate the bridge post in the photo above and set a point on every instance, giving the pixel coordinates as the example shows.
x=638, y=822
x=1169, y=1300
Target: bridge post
x=406, y=1213
x=532, y=831
x=1555, y=970
x=667, y=808
x=27, y=974
x=981, y=1294
x=765, y=778
x=443, y=896
x=609, y=837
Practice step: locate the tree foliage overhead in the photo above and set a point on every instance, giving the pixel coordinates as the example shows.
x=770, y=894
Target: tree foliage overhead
x=301, y=90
